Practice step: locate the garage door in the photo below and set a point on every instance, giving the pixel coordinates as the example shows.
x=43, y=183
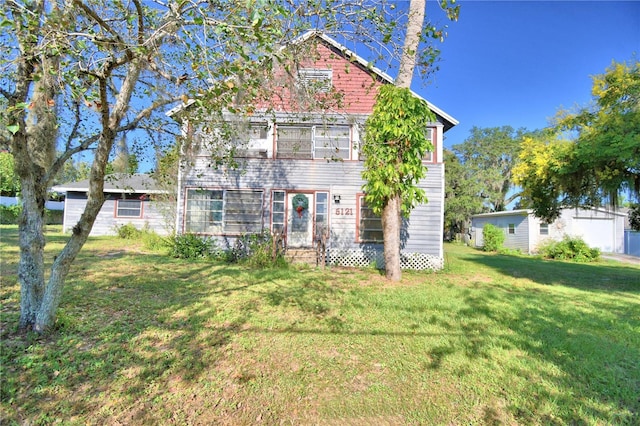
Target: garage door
x=596, y=232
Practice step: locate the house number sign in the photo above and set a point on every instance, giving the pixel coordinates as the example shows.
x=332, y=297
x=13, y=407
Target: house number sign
x=340, y=211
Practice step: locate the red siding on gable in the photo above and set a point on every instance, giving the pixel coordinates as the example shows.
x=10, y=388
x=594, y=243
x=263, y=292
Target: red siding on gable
x=356, y=86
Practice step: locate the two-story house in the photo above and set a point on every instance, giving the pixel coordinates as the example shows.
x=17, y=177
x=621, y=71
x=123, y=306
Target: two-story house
x=301, y=170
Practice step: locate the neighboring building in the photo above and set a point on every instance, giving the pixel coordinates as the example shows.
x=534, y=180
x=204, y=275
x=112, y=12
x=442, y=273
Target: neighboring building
x=600, y=228
x=301, y=172
x=128, y=199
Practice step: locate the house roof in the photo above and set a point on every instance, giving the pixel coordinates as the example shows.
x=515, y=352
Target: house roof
x=119, y=183
x=447, y=119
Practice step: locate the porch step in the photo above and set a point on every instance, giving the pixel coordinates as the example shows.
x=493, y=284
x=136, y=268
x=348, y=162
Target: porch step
x=301, y=255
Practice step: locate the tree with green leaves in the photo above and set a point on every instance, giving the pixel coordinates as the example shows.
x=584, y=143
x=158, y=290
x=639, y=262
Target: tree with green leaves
x=490, y=154
x=592, y=155
x=396, y=140
x=9, y=182
x=461, y=195
x=75, y=76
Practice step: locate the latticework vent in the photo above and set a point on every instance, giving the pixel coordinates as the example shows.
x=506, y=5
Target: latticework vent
x=363, y=259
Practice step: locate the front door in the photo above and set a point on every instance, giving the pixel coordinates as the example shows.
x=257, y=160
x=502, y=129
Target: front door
x=300, y=219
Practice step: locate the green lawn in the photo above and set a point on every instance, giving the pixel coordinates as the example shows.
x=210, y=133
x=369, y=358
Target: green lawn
x=492, y=339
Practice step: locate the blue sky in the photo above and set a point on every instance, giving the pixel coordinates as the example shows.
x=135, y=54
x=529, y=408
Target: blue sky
x=517, y=62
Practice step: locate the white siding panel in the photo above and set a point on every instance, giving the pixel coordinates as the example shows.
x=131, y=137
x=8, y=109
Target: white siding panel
x=424, y=231
x=106, y=221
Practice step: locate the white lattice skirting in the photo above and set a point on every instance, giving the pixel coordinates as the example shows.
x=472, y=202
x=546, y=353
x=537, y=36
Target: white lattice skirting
x=363, y=259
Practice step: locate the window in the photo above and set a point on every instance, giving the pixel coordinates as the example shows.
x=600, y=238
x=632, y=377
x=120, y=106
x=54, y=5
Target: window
x=428, y=156
x=544, y=229
x=511, y=228
x=332, y=142
x=295, y=142
x=322, y=212
x=129, y=208
x=309, y=142
x=277, y=211
x=315, y=80
x=251, y=140
x=370, y=225
x=223, y=211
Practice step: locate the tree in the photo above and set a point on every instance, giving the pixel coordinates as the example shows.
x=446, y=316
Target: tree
x=602, y=157
x=489, y=154
x=461, y=197
x=395, y=140
x=76, y=75
x=634, y=216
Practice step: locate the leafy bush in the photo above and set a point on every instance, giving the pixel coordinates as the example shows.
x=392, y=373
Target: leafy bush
x=128, y=232
x=9, y=214
x=570, y=248
x=493, y=237
x=190, y=246
x=256, y=250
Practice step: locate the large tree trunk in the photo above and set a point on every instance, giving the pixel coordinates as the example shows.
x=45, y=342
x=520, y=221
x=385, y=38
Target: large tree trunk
x=391, y=230
x=40, y=301
x=391, y=214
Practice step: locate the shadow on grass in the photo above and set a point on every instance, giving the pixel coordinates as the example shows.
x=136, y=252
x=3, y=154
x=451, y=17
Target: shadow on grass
x=585, y=276
x=139, y=333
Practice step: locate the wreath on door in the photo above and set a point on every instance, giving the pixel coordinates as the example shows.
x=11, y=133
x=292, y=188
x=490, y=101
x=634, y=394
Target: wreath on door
x=300, y=203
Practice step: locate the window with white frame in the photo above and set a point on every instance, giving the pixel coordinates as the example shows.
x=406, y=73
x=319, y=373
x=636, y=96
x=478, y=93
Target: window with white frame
x=129, y=207
x=278, y=218
x=429, y=155
x=252, y=140
x=511, y=228
x=314, y=142
x=217, y=211
x=370, y=224
x=322, y=213
x=544, y=229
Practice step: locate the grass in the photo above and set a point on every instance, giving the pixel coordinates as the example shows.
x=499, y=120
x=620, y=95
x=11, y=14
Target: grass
x=493, y=339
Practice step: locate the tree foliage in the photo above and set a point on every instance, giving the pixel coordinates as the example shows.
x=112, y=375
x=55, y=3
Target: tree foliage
x=489, y=155
x=601, y=157
x=634, y=217
x=461, y=197
x=394, y=144
x=9, y=182
x=75, y=76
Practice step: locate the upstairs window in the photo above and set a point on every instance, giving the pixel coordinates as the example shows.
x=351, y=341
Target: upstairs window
x=314, y=142
x=429, y=156
x=252, y=140
x=315, y=80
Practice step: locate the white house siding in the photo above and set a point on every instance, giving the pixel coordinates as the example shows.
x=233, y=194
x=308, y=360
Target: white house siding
x=424, y=230
x=106, y=222
x=519, y=240
x=598, y=228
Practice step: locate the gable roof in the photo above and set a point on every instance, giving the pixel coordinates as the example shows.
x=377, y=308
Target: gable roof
x=119, y=183
x=446, y=119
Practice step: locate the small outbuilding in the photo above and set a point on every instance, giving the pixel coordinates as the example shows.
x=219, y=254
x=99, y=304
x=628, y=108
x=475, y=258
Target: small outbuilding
x=129, y=199
x=599, y=228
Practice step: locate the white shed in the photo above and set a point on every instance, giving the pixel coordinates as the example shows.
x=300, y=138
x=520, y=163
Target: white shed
x=600, y=228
